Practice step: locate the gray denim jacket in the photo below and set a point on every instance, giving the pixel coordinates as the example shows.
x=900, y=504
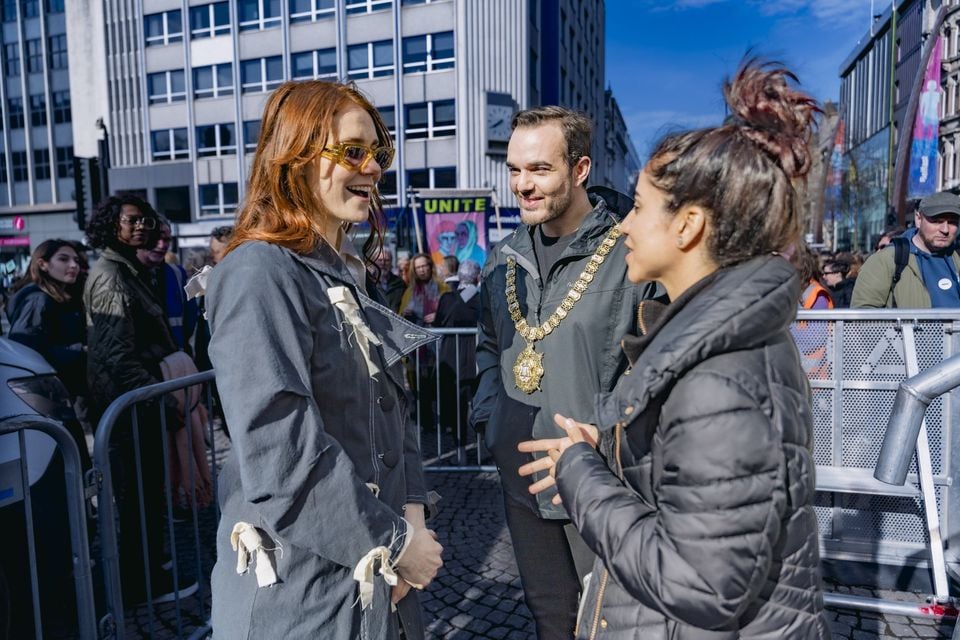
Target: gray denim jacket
x=316, y=419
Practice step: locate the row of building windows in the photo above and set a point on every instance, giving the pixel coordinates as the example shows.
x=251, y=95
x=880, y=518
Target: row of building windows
x=28, y=8
x=209, y=20
x=222, y=198
x=56, y=55
x=424, y=120
x=16, y=117
x=258, y=75
x=42, y=168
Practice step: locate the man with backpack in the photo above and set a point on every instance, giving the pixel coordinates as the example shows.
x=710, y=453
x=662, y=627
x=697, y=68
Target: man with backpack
x=921, y=268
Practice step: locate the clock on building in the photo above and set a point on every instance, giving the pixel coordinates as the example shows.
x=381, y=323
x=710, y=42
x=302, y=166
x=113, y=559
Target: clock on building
x=498, y=117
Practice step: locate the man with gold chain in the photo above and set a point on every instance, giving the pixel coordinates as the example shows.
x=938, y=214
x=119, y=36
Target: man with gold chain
x=555, y=303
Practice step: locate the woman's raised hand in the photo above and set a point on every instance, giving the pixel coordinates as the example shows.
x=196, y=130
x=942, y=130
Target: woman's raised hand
x=554, y=448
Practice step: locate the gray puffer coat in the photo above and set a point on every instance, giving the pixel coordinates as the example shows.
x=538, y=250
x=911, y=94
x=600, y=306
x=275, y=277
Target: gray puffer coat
x=711, y=533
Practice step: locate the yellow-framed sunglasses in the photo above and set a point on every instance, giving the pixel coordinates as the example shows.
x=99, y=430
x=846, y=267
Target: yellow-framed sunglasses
x=356, y=157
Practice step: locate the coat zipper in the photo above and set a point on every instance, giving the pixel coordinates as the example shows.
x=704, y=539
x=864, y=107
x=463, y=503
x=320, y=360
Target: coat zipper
x=618, y=433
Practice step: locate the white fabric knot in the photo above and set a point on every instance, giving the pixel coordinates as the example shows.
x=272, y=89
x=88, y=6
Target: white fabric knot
x=197, y=284
x=364, y=573
x=247, y=541
x=343, y=299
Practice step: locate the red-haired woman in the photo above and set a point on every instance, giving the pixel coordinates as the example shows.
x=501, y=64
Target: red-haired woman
x=701, y=511
x=324, y=485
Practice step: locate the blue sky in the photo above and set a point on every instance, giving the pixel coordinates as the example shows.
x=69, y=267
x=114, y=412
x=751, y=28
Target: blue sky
x=666, y=60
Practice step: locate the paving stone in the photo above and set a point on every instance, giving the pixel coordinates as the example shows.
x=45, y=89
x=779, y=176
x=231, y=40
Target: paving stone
x=901, y=630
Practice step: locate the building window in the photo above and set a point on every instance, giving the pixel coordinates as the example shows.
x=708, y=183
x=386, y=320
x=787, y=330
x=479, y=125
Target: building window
x=18, y=160
x=65, y=162
x=216, y=140
x=251, y=135
x=370, y=60
x=213, y=81
x=3, y=171
x=434, y=178
x=55, y=6
x=412, y=2
x=366, y=6
x=218, y=199
x=38, y=110
x=15, y=113
x=210, y=20
x=311, y=10
x=429, y=52
x=174, y=203
x=307, y=65
x=41, y=164
x=11, y=59
x=30, y=8
x=256, y=15
x=261, y=74
x=34, y=56
x=431, y=119
x=58, y=51
x=163, y=28
x=166, y=87
x=388, y=187
x=61, y=107
x=170, y=144
x=389, y=115
x=9, y=8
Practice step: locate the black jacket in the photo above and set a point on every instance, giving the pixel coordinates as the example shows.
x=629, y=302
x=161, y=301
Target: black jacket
x=580, y=357
x=55, y=330
x=127, y=330
x=711, y=535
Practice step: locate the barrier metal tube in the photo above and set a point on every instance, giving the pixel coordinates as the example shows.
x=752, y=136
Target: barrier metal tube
x=76, y=513
x=106, y=510
x=891, y=607
x=913, y=397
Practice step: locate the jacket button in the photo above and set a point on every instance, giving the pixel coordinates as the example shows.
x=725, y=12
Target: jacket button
x=603, y=623
x=386, y=402
x=391, y=458
x=628, y=411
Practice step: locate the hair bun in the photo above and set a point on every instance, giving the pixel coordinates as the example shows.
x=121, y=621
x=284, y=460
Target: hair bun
x=772, y=113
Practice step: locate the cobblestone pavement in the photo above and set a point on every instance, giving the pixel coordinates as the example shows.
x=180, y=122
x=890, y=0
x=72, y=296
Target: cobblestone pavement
x=477, y=594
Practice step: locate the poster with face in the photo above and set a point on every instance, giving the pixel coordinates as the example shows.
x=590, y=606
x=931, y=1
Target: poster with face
x=460, y=234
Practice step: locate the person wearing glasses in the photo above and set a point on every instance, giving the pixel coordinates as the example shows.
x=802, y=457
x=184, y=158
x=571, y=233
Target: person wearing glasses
x=127, y=337
x=323, y=486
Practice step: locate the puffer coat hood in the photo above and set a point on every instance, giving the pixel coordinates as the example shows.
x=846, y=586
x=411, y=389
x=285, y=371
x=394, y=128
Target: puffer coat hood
x=711, y=532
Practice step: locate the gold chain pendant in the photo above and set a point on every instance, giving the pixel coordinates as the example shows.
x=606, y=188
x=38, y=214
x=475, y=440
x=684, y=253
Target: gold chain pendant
x=528, y=370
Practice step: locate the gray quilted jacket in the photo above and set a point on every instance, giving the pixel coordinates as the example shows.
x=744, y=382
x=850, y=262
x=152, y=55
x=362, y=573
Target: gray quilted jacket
x=711, y=533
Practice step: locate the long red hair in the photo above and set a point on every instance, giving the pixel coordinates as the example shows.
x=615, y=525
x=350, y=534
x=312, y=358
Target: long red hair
x=280, y=206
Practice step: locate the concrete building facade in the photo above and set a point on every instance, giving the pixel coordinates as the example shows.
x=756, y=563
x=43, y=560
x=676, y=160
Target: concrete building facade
x=186, y=80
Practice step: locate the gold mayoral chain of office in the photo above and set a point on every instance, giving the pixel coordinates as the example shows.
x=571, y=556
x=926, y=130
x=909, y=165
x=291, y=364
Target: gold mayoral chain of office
x=528, y=369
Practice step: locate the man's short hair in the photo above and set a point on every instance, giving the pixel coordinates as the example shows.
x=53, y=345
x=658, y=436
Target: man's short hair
x=576, y=127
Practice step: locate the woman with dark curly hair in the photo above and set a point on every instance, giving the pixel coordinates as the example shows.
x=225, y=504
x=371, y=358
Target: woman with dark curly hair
x=127, y=337
x=700, y=509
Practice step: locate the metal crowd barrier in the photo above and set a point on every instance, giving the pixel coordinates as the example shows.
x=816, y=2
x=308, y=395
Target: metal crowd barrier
x=855, y=361
x=20, y=489
x=113, y=623
x=442, y=379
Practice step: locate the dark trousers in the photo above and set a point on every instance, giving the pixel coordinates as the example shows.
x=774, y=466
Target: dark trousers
x=552, y=559
x=127, y=490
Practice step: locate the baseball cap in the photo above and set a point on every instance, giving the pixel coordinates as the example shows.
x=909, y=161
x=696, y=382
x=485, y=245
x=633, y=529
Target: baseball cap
x=940, y=203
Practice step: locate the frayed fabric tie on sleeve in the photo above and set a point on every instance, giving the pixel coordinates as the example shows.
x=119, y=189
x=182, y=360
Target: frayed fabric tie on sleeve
x=366, y=570
x=247, y=541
